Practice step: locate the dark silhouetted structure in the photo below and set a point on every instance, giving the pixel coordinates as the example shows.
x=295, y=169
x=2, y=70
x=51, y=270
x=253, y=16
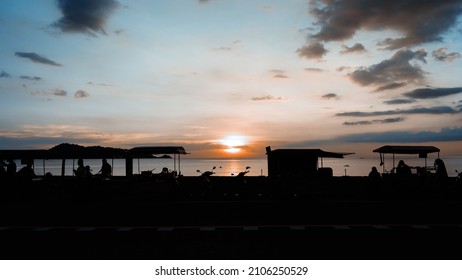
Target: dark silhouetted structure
x=422, y=151
x=299, y=163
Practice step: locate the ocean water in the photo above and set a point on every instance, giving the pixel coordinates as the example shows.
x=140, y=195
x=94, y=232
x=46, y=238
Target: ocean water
x=350, y=166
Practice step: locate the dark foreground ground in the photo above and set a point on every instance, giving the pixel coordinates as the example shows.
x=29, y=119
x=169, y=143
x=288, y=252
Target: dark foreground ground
x=232, y=230
x=75, y=221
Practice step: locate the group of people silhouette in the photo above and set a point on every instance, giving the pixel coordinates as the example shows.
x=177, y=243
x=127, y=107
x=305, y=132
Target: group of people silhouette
x=84, y=171
x=404, y=171
x=9, y=168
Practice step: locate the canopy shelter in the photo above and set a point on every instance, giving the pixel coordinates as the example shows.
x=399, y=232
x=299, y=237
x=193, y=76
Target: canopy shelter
x=72, y=151
x=297, y=162
x=150, y=152
x=422, y=151
x=63, y=152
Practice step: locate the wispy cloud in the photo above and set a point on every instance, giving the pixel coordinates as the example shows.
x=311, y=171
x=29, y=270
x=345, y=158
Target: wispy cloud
x=356, y=48
x=392, y=72
x=3, y=74
x=438, y=110
x=58, y=92
x=99, y=84
x=399, y=101
x=280, y=76
x=441, y=55
x=268, y=98
x=329, y=96
x=430, y=93
x=84, y=16
x=390, y=87
x=81, y=94
x=313, y=69
x=37, y=58
x=384, y=121
x=444, y=135
x=30, y=78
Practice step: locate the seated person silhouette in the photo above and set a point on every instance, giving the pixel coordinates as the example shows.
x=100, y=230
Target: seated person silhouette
x=10, y=168
x=88, y=173
x=374, y=174
x=441, y=172
x=27, y=171
x=164, y=174
x=106, y=169
x=80, y=171
x=403, y=170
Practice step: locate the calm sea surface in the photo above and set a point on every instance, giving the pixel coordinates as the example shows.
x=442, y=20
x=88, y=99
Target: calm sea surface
x=351, y=166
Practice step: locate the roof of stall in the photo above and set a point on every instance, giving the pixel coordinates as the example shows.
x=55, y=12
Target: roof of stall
x=406, y=149
x=309, y=153
x=149, y=151
x=72, y=151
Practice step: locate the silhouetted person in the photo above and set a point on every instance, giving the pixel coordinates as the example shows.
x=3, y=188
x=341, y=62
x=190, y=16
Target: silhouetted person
x=27, y=171
x=2, y=169
x=80, y=171
x=164, y=174
x=106, y=169
x=374, y=175
x=441, y=173
x=403, y=170
x=88, y=173
x=11, y=168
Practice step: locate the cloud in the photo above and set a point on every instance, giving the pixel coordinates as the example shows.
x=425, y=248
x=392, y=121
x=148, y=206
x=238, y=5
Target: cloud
x=342, y=68
x=81, y=94
x=430, y=93
x=58, y=92
x=330, y=96
x=357, y=48
x=29, y=78
x=431, y=110
x=84, y=16
x=280, y=76
x=384, y=121
x=312, y=69
x=3, y=74
x=394, y=71
x=268, y=98
x=399, y=101
x=441, y=55
x=418, y=21
x=390, y=86
x=99, y=84
x=314, y=50
x=37, y=58
x=444, y=135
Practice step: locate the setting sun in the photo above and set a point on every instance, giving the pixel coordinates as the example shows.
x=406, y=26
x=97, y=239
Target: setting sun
x=233, y=142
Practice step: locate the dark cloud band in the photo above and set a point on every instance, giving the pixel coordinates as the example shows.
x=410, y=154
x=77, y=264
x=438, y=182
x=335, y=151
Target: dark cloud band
x=431, y=93
x=37, y=58
x=431, y=110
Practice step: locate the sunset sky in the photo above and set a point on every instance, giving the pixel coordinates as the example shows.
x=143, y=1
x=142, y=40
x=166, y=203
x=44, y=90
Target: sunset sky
x=225, y=78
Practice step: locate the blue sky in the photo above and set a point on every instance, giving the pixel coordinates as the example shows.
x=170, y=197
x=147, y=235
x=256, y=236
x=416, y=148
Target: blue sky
x=227, y=78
